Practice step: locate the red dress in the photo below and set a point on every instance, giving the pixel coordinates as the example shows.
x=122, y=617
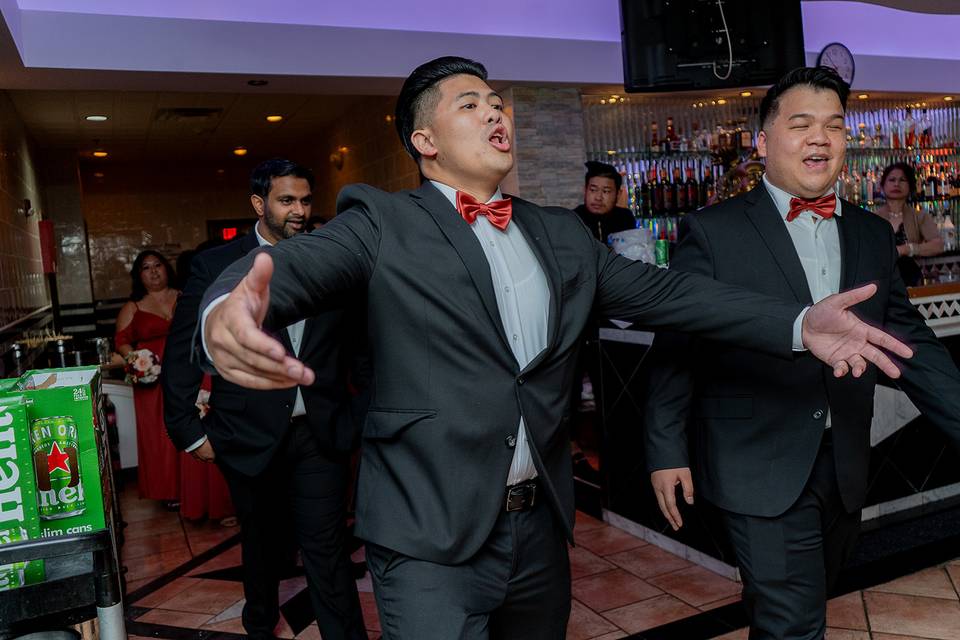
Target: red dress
x=204, y=492
x=158, y=461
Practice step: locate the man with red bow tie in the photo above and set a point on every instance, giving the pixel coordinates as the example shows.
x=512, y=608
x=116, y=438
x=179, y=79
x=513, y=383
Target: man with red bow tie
x=783, y=447
x=476, y=302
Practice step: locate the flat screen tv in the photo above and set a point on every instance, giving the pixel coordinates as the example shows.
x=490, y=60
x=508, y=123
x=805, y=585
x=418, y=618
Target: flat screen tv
x=679, y=45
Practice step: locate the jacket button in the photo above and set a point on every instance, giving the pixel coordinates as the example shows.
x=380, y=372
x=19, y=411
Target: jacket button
x=510, y=441
x=817, y=414
x=521, y=380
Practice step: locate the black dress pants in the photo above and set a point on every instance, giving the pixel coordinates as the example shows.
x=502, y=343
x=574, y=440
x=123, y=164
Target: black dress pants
x=516, y=587
x=308, y=486
x=790, y=562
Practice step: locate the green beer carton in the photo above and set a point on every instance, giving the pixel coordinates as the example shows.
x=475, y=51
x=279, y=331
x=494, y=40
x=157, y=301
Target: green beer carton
x=18, y=505
x=69, y=449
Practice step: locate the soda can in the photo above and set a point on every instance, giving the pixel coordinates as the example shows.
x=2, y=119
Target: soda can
x=661, y=252
x=12, y=575
x=56, y=461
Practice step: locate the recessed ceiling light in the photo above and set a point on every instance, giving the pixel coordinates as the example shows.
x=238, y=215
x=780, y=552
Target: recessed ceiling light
x=746, y=94
x=274, y=118
x=722, y=101
x=948, y=98
x=95, y=118
x=98, y=174
x=240, y=151
x=863, y=96
x=258, y=83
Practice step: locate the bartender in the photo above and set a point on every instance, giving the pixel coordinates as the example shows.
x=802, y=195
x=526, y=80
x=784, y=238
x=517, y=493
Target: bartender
x=599, y=210
x=915, y=231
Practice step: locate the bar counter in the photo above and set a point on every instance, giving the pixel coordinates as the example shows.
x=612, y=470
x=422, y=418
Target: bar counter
x=914, y=469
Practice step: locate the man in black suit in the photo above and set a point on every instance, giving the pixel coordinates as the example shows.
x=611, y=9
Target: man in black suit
x=283, y=452
x=783, y=447
x=476, y=304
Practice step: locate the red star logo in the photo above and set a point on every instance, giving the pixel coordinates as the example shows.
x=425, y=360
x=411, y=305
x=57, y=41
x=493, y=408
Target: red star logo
x=57, y=459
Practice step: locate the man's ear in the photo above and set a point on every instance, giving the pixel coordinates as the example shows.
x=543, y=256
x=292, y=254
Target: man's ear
x=257, y=203
x=422, y=140
x=762, y=144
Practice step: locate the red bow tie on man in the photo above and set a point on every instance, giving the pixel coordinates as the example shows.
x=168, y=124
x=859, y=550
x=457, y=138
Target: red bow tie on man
x=498, y=212
x=823, y=206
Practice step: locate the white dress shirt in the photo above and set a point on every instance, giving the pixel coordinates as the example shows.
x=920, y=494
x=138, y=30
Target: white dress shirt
x=817, y=241
x=523, y=299
x=295, y=331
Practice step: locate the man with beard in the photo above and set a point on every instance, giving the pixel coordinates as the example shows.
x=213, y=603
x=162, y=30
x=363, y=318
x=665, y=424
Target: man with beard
x=476, y=303
x=283, y=452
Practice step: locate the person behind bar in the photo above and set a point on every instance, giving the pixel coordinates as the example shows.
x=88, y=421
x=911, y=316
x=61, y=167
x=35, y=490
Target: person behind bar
x=915, y=231
x=476, y=303
x=599, y=210
x=783, y=446
x=284, y=452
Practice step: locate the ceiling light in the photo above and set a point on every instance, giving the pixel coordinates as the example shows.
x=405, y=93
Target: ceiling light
x=95, y=118
x=274, y=118
x=240, y=151
x=98, y=174
x=722, y=101
x=746, y=94
x=100, y=153
x=948, y=98
x=863, y=96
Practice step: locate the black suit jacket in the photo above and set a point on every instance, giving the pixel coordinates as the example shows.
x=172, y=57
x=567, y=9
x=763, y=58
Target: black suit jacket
x=447, y=392
x=757, y=420
x=245, y=427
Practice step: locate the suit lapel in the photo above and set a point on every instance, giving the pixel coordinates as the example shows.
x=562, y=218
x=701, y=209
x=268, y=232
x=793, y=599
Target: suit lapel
x=459, y=234
x=762, y=212
x=530, y=223
x=849, y=247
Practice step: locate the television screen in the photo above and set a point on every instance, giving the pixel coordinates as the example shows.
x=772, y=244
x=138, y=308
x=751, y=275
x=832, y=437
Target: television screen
x=678, y=45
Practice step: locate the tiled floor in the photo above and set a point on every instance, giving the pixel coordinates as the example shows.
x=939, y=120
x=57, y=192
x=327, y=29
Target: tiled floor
x=621, y=586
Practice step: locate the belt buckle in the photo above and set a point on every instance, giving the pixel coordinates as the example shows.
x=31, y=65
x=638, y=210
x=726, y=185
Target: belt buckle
x=521, y=497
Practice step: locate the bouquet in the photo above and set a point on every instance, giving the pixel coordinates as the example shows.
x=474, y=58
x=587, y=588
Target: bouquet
x=142, y=367
x=203, y=402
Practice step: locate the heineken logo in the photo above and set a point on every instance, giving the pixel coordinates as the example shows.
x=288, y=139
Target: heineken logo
x=57, y=460
x=11, y=498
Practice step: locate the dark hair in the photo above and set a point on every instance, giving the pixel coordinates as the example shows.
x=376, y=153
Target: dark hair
x=261, y=178
x=418, y=97
x=137, y=290
x=817, y=77
x=908, y=172
x=602, y=170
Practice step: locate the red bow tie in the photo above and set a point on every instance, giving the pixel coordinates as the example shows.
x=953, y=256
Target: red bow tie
x=823, y=206
x=498, y=212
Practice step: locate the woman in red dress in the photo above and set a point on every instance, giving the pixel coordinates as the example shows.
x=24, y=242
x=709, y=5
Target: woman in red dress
x=143, y=323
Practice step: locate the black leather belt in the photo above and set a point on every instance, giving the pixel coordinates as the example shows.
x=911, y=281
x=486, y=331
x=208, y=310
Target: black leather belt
x=521, y=496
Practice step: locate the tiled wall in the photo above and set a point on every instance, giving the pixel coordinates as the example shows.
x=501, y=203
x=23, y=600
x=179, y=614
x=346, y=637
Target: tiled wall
x=61, y=189
x=23, y=286
x=374, y=154
x=549, y=147
x=132, y=207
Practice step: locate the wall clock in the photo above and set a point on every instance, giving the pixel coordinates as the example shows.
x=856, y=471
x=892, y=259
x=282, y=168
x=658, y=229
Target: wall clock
x=838, y=57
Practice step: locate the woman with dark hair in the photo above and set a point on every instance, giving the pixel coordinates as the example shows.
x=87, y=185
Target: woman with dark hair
x=142, y=326
x=916, y=232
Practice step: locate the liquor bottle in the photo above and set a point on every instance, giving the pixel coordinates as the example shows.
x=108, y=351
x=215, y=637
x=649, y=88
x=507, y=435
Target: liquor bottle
x=693, y=190
x=656, y=192
x=926, y=130
x=679, y=191
x=878, y=139
x=746, y=136
x=909, y=130
x=707, y=188
x=654, y=137
x=669, y=204
x=932, y=183
x=949, y=233
x=895, y=140
x=862, y=135
x=644, y=198
x=670, y=141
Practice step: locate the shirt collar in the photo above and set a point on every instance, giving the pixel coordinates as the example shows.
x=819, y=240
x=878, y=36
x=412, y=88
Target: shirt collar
x=263, y=242
x=451, y=194
x=781, y=199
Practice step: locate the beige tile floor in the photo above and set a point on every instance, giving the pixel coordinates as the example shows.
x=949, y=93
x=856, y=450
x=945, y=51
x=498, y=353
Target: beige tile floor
x=621, y=586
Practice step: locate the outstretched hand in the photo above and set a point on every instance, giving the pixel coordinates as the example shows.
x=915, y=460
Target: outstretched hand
x=835, y=335
x=239, y=348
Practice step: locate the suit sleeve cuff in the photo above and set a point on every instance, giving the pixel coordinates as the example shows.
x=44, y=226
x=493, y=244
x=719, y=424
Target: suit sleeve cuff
x=797, y=330
x=203, y=324
x=196, y=445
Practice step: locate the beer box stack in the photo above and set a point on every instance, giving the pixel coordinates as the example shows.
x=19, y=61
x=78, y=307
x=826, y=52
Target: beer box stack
x=66, y=442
